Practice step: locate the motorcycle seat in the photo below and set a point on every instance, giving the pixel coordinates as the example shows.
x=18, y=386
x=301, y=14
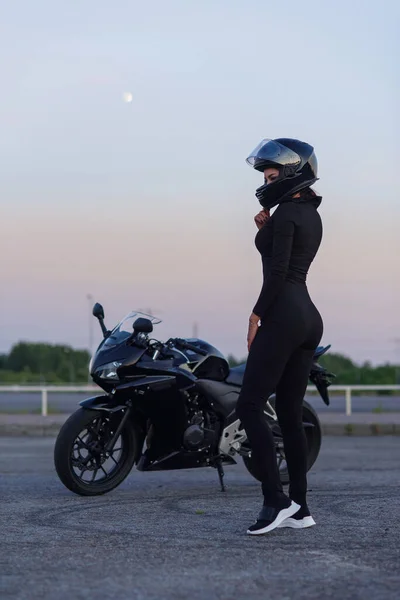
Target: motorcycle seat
x=320, y=351
x=235, y=375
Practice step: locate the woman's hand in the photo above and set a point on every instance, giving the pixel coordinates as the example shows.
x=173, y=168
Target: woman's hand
x=261, y=218
x=253, y=328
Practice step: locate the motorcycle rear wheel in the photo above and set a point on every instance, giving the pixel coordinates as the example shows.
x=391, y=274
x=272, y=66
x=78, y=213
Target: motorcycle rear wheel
x=79, y=449
x=313, y=434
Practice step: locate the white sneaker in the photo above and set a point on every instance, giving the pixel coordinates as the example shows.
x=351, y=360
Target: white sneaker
x=297, y=523
x=270, y=518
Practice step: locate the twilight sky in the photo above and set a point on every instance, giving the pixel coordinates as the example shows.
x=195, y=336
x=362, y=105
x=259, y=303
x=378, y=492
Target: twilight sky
x=150, y=204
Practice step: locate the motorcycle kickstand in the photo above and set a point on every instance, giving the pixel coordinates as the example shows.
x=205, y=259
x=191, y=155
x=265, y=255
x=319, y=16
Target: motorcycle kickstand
x=221, y=474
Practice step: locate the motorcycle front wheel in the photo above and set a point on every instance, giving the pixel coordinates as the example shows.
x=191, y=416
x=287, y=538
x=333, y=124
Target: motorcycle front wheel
x=80, y=459
x=312, y=428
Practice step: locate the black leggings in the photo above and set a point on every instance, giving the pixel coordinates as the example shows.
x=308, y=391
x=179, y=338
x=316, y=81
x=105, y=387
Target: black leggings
x=280, y=359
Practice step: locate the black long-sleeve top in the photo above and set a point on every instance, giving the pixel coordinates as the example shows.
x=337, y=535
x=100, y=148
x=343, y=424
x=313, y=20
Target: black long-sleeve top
x=288, y=243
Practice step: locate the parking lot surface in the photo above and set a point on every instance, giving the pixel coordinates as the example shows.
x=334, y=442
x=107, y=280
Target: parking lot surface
x=174, y=535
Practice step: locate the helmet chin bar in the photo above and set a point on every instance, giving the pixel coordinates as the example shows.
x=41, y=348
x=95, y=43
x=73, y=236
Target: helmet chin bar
x=281, y=190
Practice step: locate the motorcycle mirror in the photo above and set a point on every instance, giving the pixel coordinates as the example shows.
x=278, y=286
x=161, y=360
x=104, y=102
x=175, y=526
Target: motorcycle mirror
x=142, y=325
x=98, y=311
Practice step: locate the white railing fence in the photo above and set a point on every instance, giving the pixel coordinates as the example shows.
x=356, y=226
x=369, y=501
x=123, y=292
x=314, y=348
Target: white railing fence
x=93, y=389
x=348, y=389
x=48, y=389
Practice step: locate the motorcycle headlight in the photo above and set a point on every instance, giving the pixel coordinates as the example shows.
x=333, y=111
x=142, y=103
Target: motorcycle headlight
x=108, y=371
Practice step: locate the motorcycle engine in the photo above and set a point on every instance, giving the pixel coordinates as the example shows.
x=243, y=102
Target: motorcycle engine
x=201, y=430
x=193, y=437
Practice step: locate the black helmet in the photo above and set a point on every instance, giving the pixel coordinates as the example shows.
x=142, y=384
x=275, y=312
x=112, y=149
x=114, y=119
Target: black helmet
x=297, y=165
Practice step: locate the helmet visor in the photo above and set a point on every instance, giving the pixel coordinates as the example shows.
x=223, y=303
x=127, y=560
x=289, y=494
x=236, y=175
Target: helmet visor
x=273, y=152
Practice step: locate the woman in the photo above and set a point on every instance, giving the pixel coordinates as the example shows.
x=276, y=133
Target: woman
x=284, y=328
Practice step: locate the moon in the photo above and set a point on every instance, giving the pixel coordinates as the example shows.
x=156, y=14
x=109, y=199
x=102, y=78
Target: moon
x=127, y=97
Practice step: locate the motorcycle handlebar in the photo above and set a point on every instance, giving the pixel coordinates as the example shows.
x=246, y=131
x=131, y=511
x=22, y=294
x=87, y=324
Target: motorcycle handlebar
x=188, y=346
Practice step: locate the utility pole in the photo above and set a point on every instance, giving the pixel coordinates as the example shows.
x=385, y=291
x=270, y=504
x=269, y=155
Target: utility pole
x=396, y=341
x=90, y=336
x=70, y=366
x=89, y=298
x=195, y=330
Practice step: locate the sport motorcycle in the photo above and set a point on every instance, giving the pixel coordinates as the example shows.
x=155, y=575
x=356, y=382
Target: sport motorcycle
x=166, y=405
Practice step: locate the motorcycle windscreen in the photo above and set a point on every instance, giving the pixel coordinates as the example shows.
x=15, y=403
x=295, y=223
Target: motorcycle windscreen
x=124, y=329
x=274, y=152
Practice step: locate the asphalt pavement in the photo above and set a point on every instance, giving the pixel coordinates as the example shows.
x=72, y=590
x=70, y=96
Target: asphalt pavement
x=361, y=423
x=175, y=536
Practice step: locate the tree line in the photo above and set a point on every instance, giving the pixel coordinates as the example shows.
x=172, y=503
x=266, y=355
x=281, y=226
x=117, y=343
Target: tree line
x=35, y=363
x=30, y=363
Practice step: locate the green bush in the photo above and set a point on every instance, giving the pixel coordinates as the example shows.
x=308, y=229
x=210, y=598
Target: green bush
x=349, y=373
x=43, y=363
